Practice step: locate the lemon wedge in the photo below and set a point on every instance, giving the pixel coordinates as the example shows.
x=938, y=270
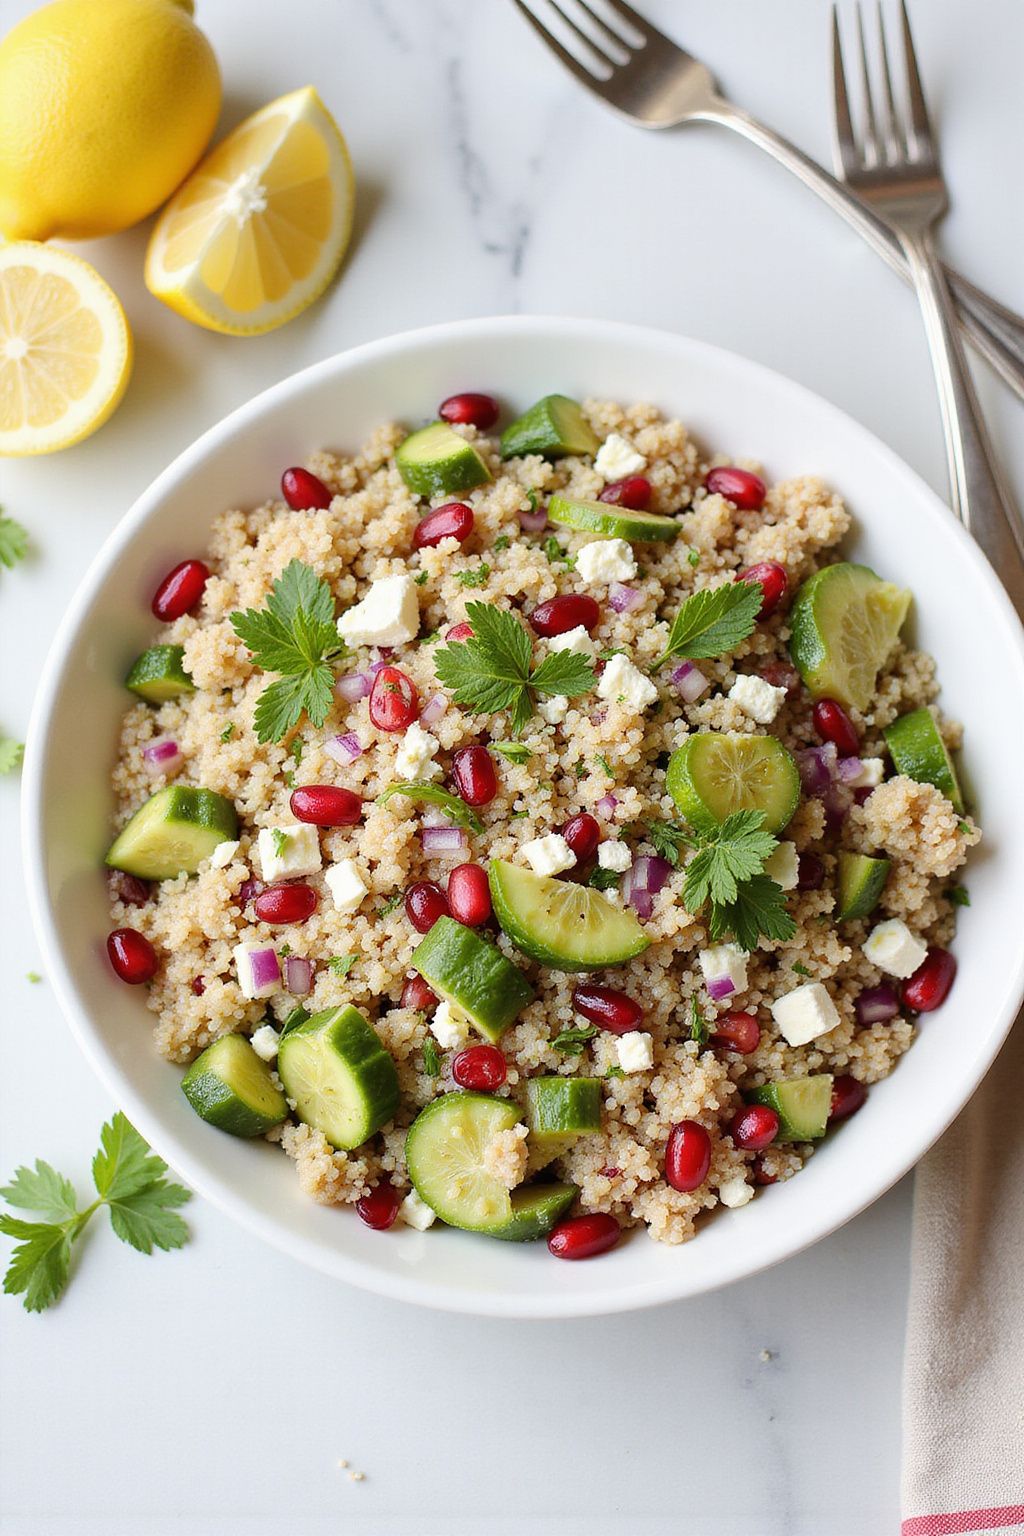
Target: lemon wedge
x=259, y=229
x=65, y=349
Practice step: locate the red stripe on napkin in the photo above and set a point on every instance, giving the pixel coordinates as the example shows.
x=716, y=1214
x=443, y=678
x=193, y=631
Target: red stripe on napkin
x=964, y=1520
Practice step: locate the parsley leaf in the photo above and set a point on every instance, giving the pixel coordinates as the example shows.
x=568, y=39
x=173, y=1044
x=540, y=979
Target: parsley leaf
x=228, y=731
x=340, y=965
x=431, y=1060
x=40, y=1263
x=501, y=542
x=13, y=542
x=298, y=1016
x=474, y=577
x=11, y=754
x=513, y=751
x=454, y=808
x=693, y=556
x=605, y=764
x=281, y=840
x=42, y=1189
x=390, y=905
x=800, y=969
x=698, y=1024
x=665, y=838
x=603, y=879
x=732, y=852
x=556, y=554
x=759, y=911
x=959, y=896
x=296, y=636
x=572, y=1042
x=714, y=620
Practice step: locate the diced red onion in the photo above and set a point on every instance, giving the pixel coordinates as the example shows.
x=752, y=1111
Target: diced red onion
x=876, y=1005
x=298, y=976
x=344, y=749
x=719, y=988
x=642, y=902
x=434, y=708
x=533, y=522
x=263, y=964
x=623, y=599
x=690, y=681
x=644, y=879
x=248, y=891
x=353, y=687
x=848, y=769
x=375, y=667
x=817, y=767
x=606, y=806
x=443, y=840
x=164, y=756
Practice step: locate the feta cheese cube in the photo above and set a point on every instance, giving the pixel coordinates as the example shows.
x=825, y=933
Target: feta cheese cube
x=724, y=963
x=871, y=774
x=553, y=710
x=416, y=753
x=758, y=699
x=258, y=969
x=389, y=614
x=783, y=866
x=346, y=885
x=612, y=854
x=548, y=855
x=616, y=458
x=805, y=1014
x=606, y=560
x=449, y=1027
x=264, y=1042
x=625, y=684
x=416, y=1212
x=576, y=640
x=635, y=1051
x=735, y=1191
x=288, y=852
x=893, y=948
x=224, y=853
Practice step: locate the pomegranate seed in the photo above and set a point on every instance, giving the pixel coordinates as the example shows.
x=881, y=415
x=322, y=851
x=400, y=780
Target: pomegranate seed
x=458, y=633
x=286, y=903
x=425, y=902
x=737, y=1032
x=745, y=490
x=847, y=1097
x=470, y=409
x=474, y=775
x=379, y=1207
x=687, y=1156
x=128, y=888
x=760, y=1173
x=132, y=955
x=929, y=986
x=325, y=805
x=198, y=985
x=782, y=674
x=301, y=490
x=810, y=872
x=609, y=1008
x=582, y=833
x=584, y=1237
x=774, y=581
x=560, y=614
x=394, y=702
x=416, y=994
x=180, y=590
x=832, y=723
x=482, y=1068
x=754, y=1127
x=452, y=521
x=469, y=895
x=634, y=492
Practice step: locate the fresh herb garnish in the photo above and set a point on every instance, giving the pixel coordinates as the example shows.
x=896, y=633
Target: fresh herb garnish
x=603, y=879
x=713, y=620
x=556, y=554
x=421, y=579
x=284, y=951
x=573, y=1042
x=296, y=749
x=228, y=731
x=801, y=970
x=281, y=840
x=431, y=638
x=390, y=905
x=33, y=976
x=298, y=1016
x=340, y=965
x=693, y=556
x=11, y=754
x=612, y=650
x=615, y=1072
x=294, y=635
x=959, y=896
x=474, y=577
x=431, y=1060
x=530, y=504
x=289, y=779
x=432, y=794
x=513, y=751
x=130, y=1181
x=727, y=875
x=501, y=542
x=665, y=838
x=698, y=1024
x=13, y=542
x=605, y=764
x=964, y=827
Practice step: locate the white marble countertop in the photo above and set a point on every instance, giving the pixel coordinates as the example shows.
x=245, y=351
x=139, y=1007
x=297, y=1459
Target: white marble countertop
x=214, y=1390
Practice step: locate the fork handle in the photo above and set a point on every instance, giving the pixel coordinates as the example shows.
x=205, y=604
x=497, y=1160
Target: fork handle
x=997, y=332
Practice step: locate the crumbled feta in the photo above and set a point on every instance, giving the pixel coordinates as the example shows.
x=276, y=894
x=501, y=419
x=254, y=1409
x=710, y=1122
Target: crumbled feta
x=893, y=948
x=346, y=885
x=416, y=1212
x=553, y=710
x=616, y=458
x=783, y=866
x=415, y=755
x=265, y=1041
x=288, y=852
x=548, y=855
x=612, y=854
x=606, y=560
x=758, y=699
x=724, y=962
x=224, y=853
x=805, y=1014
x=242, y=955
x=635, y=1051
x=735, y=1191
x=576, y=640
x=448, y=1027
x=626, y=684
x=870, y=775
x=389, y=614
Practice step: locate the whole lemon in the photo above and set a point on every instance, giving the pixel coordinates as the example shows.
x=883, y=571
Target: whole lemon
x=105, y=107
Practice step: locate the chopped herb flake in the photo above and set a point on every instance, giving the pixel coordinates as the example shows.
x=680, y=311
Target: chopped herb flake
x=475, y=577
x=431, y=1060
x=959, y=896
x=228, y=731
x=572, y=1042
x=340, y=965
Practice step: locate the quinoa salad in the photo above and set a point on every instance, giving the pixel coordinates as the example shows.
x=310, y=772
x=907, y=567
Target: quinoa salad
x=543, y=831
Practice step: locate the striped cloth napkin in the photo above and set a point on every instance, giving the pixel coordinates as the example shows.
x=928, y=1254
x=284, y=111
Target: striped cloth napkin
x=963, y=1378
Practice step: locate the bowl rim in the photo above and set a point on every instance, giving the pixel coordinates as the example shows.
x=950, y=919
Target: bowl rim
x=407, y=1287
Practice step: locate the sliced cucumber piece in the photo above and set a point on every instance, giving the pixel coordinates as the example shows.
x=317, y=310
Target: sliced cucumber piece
x=535, y=1210
x=341, y=1079
x=231, y=1088
x=473, y=975
x=714, y=774
x=567, y=926
x=918, y=750
x=859, y=884
x=554, y=427
x=159, y=674
x=173, y=833
x=612, y=522
x=436, y=461
x=801, y=1103
x=562, y=1108
x=843, y=625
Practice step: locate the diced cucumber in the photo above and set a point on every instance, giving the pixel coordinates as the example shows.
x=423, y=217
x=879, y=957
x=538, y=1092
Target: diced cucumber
x=554, y=427
x=859, y=884
x=567, y=926
x=562, y=1108
x=535, y=1210
x=715, y=773
x=473, y=975
x=918, y=750
x=801, y=1103
x=173, y=833
x=341, y=1079
x=436, y=461
x=231, y=1088
x=611, y=522
x=843, y=626
x=159, y=674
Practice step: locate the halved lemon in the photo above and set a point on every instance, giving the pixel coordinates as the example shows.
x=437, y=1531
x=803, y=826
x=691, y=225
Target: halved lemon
x=259, y=229
x=65, y=349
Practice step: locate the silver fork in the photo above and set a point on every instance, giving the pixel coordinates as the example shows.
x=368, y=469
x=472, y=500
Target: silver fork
x=894, y=166
x=648, y=79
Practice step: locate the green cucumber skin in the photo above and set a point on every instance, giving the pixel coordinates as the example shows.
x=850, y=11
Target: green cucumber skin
x=534, y=949
x=359, y=1049
x=941, y=772
x=214, y=1099
x=680, y=781
x=807, y=648
x=608, y=521
x=860, y=884
x=775, y=1096
x=559, y=1107
x=536, y=1208
x=553, y=428
x=159, y=674
x=460, y=469
x=499, y=990
x=199, y=811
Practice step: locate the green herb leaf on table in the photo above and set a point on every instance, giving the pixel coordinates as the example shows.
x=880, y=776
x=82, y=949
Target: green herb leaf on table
x=573, y=1042
x=713, y=620
x=11, y=754
x=13, y=542
x=42, y=1189
x=296, y=636
x=432, y=794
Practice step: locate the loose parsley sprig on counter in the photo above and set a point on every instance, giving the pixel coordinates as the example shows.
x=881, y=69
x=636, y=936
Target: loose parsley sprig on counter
x=13, y=541
x=726, y=876
x=11, y=754
x=712, y=621
x=296, y=636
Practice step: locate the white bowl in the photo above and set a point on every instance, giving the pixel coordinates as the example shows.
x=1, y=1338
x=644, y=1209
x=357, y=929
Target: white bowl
x=902, y=529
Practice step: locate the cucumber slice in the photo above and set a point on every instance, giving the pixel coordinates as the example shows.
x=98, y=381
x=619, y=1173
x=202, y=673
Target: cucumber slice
x=562, y=1108
x=843, y=626
x=473, y=975
x=611, y=522
x=801, y=1103
x=561, y=924
x=339, y=1076
x=535, y=1210
x=859, y=884
x=436, y=461
x=555, y=426
x=159, y=674
x=712, y=775
x=173, y=833
x=230, y=1087
x=918, y=750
